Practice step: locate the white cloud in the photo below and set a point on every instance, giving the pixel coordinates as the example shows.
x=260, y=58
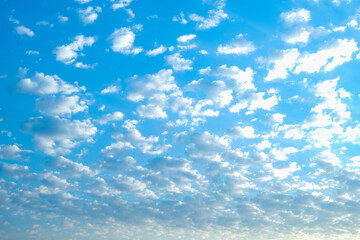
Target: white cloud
x=243, y=80
x=285, y=170
x=69, y=53
x=111, y=117
x=241, y=132
x=62, y=105
x=151, y=111
x=123, y=40
x=62, y=18
x=328, y=57
x=178, y=63
x=47, y=130
x=21, y=30
x=89, y=14
x=156, y=51
x=281, y=154
x=186, y=38
x=46, y=84
x=298, y=35
x=141, y=88
x=296, y=16
x=282, y=62
x=32, y=52
x=180, y=18
x=110, y=89
x=12, y=152
x=238, y=46
x=215, y=17
x=120, y=4
x=83, y=1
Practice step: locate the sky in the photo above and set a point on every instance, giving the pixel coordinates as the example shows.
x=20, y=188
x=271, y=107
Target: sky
x=193, y=119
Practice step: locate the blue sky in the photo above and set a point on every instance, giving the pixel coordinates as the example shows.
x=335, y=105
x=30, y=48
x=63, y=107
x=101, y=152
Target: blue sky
x=206, y=119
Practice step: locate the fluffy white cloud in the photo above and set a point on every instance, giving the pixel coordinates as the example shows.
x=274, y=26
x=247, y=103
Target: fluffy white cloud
x=242, y=80
x=178, y=63
x=21, y=30
x=69, y=53
x=46, y=84
x=241, y=132
x=186, y=38
x=123, y=41
x=120, y=4
x=328, y=57
x=89, y=14
x=141, y=88
x=151, y=111
x=156, y=51
x=62, y=105
x=205, y=147
x=215, y=17
x=83, y=1
x=298, y=35
x=282, y=62
x=111, y=117
x=49, y=130
x=296, y=16
x=12, y=152
x=238, y=45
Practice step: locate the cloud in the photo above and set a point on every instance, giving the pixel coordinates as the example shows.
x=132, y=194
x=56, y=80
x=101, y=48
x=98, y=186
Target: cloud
x=83, y=1
x=241, y=132
x=69, y=168
x=214, y=18
x=186, y=38
x=111, y=117
x=55, y=135
x=123, y=40
x=156, y=51
x=141, y=88
x=62, y=105
x=89, y=14
x=42, y=84
x=12, y=152
x=120, y=4
x=238, y=46
x=151, y=111
x=69, y=53
x=328, y=57
x=21, y=30
x=178, y=63
x=296, y=16
x=298, y=35
x=282, y=61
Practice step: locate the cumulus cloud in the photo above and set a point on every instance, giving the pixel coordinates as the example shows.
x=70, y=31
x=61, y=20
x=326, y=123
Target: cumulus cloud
x=151, y=111
x=241, y=132
x=156, y=51
x=69, y=53
x=42, y=84
x=186, y=38
x=55, y=135
x=238, y=46
x=120, y=4
x=62, y=105
x=282, y=61
x=89, y=14
x=21, y=30
x=123, y=41
x=111, y=117
x=296, y=16
x=179, y=63
x=328, y=57
x=214, y=18
x=12, y=152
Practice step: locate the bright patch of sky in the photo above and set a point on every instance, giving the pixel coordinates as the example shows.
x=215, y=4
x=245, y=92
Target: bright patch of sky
x=195, y=119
